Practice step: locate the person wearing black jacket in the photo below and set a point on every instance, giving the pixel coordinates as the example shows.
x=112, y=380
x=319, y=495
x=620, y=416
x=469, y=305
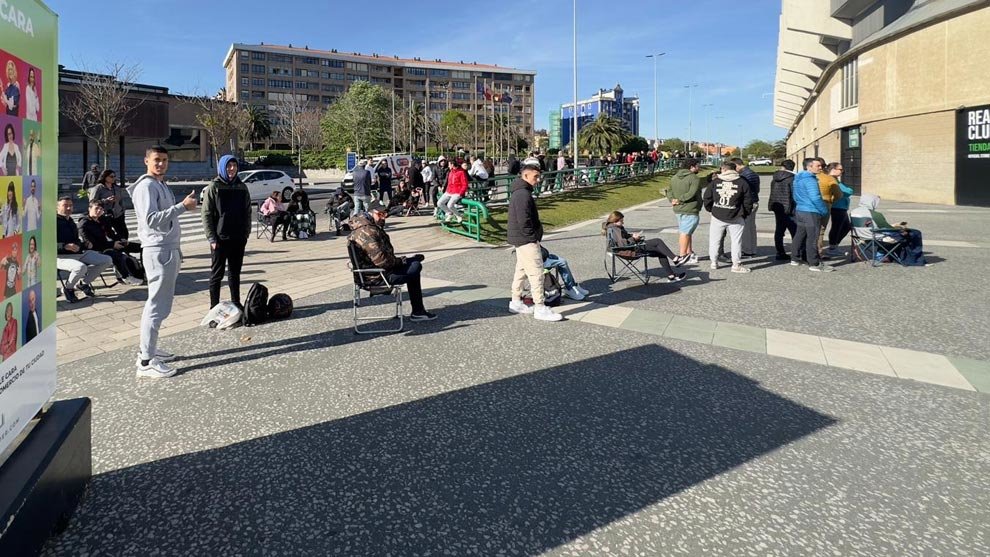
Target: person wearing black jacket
x=729, y=200
x=525, y=231
x=74, y=256
x=443, y=170
x=226, y=214
x=98, y=236
x=782, y=205
x=514, y=165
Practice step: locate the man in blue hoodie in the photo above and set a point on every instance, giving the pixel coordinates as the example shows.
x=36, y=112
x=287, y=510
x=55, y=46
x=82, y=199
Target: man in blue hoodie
x=809, y=208
x=160, y=234
x=226, y=215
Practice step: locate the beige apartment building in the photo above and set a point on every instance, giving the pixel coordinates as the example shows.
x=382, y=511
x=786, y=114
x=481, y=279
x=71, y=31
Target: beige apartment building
x=897, y=90
x=262, y=74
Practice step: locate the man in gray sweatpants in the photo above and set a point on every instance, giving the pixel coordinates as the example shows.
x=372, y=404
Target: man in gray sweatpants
x=160, y=233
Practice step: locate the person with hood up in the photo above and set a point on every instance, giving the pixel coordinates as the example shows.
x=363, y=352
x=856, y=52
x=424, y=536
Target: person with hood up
x=809, y=208
x=782, y=205
x=912, y=247
x=729, y=200
x=160, y=235
x=457, y=187
x=374, y=251
x=525, y=231
x=685, y=198
x=226, y=215
x=439, y=181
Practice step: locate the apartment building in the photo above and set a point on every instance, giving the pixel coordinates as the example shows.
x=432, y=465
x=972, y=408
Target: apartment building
x=263, y=74
x=897, y=90
x=606, y=102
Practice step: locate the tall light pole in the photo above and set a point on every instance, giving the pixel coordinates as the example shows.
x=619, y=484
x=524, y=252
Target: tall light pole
x=574, y=124
x=718, y=144
x=708, y=126
x=690, y=89
x=656, y=119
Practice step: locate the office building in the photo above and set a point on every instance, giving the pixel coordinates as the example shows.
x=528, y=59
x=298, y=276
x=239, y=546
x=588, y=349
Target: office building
x=604, y=103
x=897, y=90
x=263, y=74
x=553, y=133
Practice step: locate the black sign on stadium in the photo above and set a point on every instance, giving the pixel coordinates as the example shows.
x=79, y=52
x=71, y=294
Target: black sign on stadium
x=973, y=156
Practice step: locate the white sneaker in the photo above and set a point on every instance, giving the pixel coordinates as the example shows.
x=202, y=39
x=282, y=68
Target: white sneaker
x=582, y=290
x=448, y=218
x=714, y=265
x=133, y=281
x=518, y=306
x=574, y=294
x=543, y=313
x=156, y=369
x=164, y=356
x=693, y=260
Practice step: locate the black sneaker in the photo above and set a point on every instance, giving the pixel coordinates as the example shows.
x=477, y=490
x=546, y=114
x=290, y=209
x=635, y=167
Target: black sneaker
x=724, y=257
x=87, y=289
x=783, y=257
x=748, y=255
x=426, y=316
x=676, y=278
x=679, y=260
x=70, y=295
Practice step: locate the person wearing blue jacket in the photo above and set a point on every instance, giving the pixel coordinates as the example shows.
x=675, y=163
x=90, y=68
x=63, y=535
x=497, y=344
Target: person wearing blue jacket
x=809, y=208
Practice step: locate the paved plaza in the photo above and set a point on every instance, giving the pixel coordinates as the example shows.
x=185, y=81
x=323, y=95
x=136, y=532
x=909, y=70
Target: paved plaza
x=781, y=412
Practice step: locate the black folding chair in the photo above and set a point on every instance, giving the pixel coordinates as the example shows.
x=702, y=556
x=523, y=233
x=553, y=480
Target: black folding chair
x=628, y=266
x=873, y=248
x=373, y=282
x=261, y=227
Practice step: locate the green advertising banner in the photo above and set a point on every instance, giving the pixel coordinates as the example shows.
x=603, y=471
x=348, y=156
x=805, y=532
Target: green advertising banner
x=28, y=180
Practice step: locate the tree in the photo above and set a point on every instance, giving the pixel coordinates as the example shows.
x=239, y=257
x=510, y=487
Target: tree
x=604, y=135
x=635, y=144
x=259, y=125
x=361, y=120
x=779, y=149
x=223, y=121
x=101, y=106
x=300, y=123
x=758, y=148
x=456, y=128
x=673, y=144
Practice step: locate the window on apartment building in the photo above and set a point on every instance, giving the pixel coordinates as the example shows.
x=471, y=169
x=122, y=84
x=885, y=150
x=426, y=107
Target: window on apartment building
x=438, y=106
x=850, y=83
x=333, y=88
x=307, y=60
x=280, y=83
x=245, y=95
x=438, y=94
x=439, y=73
x=460, y=84
x=257, y=55
x=337, y=76
x=461, y=96
x=258, y=81
x=380, y=69
x=416, y=82
x=352, y=77
x=257, y=94
x=245, y=81
x=314, y=98
x=416, y=71
x=257, y=68
x=460, y=75
x=243, y=54
x=245, y=67
x=357, y=67
x=382, y=80
x=280, y=58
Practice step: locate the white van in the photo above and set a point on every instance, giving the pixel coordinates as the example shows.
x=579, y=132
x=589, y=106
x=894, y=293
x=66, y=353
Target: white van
x=398, y=162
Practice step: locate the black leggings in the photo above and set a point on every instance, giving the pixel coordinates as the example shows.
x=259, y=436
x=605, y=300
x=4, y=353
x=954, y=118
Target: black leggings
x=840, y=226
x=654, y=247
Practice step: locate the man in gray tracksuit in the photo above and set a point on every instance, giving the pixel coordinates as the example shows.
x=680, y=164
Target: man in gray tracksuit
x=159, y=231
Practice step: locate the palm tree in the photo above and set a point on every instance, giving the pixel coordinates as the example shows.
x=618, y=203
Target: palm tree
x=259, y=126
x=604, y=135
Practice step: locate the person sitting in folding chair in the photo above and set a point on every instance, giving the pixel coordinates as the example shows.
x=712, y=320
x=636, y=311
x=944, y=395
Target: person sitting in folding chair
x=302, y=220
x=902, y=244
x=403, y=202
x=638, y=246
x=375, y=251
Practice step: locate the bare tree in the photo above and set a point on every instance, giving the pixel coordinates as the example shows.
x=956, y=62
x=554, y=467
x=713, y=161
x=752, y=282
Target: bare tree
x=300, y=123
x=102, y=106
x=224, y=121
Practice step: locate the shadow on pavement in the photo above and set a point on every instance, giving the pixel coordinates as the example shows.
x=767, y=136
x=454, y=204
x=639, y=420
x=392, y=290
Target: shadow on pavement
x=516, y=466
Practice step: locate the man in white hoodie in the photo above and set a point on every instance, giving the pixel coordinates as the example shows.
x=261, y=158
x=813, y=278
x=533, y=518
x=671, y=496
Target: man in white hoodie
x=160, y=234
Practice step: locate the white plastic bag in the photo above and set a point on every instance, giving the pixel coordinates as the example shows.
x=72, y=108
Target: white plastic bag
x=225, y=315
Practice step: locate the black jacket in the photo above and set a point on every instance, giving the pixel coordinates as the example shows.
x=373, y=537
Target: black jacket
x=67, y=233
x=753, y=181
x=514, y=167
x=415, y=177
x=781, y=192
x=524, y=220
x=728, y=197
x=92, y=231
x=226, y=211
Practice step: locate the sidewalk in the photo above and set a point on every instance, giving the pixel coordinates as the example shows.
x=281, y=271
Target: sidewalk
x=299, y=268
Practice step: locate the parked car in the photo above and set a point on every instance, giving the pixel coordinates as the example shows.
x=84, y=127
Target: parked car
x=261, y=183
x=761, y=162
x=398, y=162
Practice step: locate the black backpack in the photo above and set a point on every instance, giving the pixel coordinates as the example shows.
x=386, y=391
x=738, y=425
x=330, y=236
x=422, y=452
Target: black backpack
x=280, y=306
x=256, y=305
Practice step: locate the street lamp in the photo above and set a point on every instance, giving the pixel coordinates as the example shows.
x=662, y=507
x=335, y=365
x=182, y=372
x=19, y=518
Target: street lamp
x=708, y=125
x=656, y=119
x=574, y=124
x=719, y=144
x=690, y=89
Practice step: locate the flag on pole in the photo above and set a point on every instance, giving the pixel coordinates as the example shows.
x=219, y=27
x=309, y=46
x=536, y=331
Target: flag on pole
x=506, y=98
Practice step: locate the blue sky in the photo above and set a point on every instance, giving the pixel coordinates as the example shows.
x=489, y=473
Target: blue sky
x=727, y=48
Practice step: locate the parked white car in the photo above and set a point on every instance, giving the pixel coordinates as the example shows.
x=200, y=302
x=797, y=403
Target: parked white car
x=398, y=162
x=761, y=162
x=261, y=183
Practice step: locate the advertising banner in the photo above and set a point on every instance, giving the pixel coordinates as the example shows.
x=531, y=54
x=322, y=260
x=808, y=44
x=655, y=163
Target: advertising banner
x=973, y=156
x=28, y=191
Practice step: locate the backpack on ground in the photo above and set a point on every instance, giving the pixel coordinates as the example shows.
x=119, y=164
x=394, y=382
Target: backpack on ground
x=279, y=306
x=256, y=305
x=134, y=266
x=552, y=293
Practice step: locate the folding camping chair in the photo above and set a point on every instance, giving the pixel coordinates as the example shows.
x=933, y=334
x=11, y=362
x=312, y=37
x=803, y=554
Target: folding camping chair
x=372, y=282
x=261, y=227
x=628, y=266
x=870, y=248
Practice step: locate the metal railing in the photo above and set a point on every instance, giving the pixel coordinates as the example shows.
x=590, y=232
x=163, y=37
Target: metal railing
x=472, y=216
